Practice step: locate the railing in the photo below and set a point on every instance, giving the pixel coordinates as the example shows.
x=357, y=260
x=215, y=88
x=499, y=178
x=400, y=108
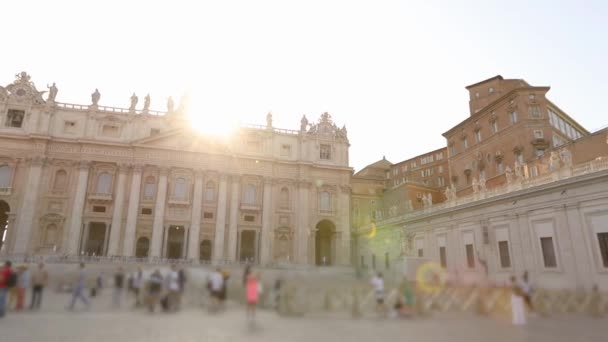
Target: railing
x=100, y=197
x=5, y=191
x=179, y=201
x=277, y=130
x=108, y=109
x=599, y=164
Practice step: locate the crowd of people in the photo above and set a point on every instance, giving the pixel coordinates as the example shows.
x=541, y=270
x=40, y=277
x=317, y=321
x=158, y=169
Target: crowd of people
x=16, y=282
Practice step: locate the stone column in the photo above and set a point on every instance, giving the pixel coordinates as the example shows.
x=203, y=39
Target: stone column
x=267, y=231
x=28, y=206
x=75, y=227
x=118, y=210
x=195, y=223
x=128, y=245
x=159, y=213
x=233, y=223
x=220, y=222
x=302, y=225
x=344, y=219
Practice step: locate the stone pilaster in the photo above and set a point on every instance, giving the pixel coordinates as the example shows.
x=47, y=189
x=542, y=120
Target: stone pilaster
x=195, y=223
x=28, y=206
x=233, y=223
x=118, y=210
x=159, y=213
x=302, y=222
x=128, y=245
x=344, y=219
x=220, y=222
x=75, y=226
x=266, y=234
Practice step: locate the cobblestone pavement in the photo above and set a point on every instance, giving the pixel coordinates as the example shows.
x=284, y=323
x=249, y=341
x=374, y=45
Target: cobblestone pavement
x=102, y=323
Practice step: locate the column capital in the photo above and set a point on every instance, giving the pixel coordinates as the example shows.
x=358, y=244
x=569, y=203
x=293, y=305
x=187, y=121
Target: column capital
x=199, y=173
x=84, y=165
x=37, y=160
x=269, y=180
x=223, y=177
x=302, y=183
x=137, y=167
x=345, y=188
x=164, y=170
x=235, y=178
x=123, y=167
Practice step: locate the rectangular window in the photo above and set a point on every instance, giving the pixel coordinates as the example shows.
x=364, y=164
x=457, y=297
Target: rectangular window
x=465, y=143
x=539, y=152
x=387, y=262
x=249, y=218
x=603, y=241
x=99, y=209
x=14, y=118
x=443, y=257
x=513, y=118
x=69, y=126
x=494, y=126
x=538, y=134
x=470, y=256
x=503, y=250
x=535, y=112
x=154, y=131
x=546, y=244
x=478, y=136
x=325, y=152
x=146, y=211
x=110, y=130
x=420, y=252
x=500, y=167
x=208, y=215
x=374, y=261
x=285, y=150
x=452, y=150
x=362, y=261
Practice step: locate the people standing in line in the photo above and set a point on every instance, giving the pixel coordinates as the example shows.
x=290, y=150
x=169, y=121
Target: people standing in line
x=173, y=287
x=79, y=289
x=526, y=288
x=378, y=285
x=40, y=278
x=5, y=275
x=252, y=289
x=155, y=288
x=138, y=281
x=23, y=283
x=518, y=309
x=119, y=285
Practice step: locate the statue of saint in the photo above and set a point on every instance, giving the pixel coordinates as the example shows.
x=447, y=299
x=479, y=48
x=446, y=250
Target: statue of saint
x=482, y=183
x=134, y=100
x=147, y=102
x=170, y=105
x=303, y=124
x=518, y=170
x=566, y=157
x=554, y=161
x=475, y=185
x=429, y=200
x=95, y=97
x=269, y=120
x=52, y=92
x=453, y=191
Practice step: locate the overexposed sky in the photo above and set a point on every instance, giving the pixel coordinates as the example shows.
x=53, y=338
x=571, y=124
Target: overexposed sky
x=393, y=71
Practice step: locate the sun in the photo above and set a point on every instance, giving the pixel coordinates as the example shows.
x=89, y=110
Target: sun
x=209, y=121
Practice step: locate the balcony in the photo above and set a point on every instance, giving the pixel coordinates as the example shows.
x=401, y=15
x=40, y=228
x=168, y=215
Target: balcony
x=250, y=206
x=5, y=191
x=179, y=201
x=100, y=197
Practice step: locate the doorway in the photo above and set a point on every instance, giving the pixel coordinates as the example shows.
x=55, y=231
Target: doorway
x=324, y=236
x=175, y=242
x=247, y=250
x=96, y=239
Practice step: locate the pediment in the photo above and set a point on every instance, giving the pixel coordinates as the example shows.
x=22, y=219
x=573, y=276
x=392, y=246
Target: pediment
x=183, y=139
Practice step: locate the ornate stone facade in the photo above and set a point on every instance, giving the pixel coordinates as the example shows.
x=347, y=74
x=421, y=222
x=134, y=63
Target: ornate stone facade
x=91, y=179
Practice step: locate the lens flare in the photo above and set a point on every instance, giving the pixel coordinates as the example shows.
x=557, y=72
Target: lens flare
x=430, y=277
x=372, y=232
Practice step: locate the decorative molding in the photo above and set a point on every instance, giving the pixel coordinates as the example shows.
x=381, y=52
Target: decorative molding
x=84, y=165
x=123, y=167
x=137, y=167
x=164, y=170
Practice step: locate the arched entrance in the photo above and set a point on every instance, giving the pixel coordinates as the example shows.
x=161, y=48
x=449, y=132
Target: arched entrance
x=205, y=250
x=96, y=239
x=247, y=250
x=4, y=210
x=175, y=242
x=324, y=238
x=141, y=247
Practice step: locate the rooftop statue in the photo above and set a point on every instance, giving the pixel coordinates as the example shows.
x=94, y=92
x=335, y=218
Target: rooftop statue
x=566, y=157
x=146, y=103
x=134, y=101
x=95, y=97
x=269, y=120
x=303, y=124
x=170, y=104
x=52, y=92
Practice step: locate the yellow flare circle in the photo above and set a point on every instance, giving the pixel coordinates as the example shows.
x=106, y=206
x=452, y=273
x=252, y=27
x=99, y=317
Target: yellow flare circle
x=430, y=277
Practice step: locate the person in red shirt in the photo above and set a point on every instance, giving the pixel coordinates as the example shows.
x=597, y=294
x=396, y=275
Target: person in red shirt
x=5, y=274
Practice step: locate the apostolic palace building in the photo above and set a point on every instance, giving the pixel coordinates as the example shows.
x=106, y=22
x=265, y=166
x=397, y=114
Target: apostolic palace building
x=95, y=180
x=519, y=186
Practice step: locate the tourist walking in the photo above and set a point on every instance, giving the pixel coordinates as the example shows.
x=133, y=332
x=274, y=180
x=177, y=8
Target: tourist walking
x=40, y=278
x=216, y=282
x=23, y=283
x=518, y=309
x=138, y=281
x=181, y=279
x=174, y=289
x=5, y=278
x=377, y=283
x=119, y=284
x=155, y=288
x=526, y=288
x=252, y=290
x=79, y=288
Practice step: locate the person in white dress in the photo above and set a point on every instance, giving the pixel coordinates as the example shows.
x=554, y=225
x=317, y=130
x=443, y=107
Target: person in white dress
x=518, y=308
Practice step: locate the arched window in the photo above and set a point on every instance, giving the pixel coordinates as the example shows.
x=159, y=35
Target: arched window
x=61, y=180
x=205, y=251
x=149, y=187
x=284, y=198
x=325, y=201
x=50, y=235
x=104, y=183
x=179, y=191
x=141, y=247
x=210, y=191
x=5, y=176
x=249, y=197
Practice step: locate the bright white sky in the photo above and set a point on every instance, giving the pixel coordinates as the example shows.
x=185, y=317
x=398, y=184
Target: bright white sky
x=393, y=71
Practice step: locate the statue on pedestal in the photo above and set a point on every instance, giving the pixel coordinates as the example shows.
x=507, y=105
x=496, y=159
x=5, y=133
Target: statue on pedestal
x=509, y=175
x=427, y=199
x=475, y=185
x=303, y=124
x=52, y=92
x=170, y=105
x=134, y=101
x=269, y=120
x=554, y=161
x=566, y=157
x=95, y=97
x=518, y=171
x=482, y=183
x=146, y=103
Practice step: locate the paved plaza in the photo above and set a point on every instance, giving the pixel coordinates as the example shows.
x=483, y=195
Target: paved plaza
x=102, y=323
